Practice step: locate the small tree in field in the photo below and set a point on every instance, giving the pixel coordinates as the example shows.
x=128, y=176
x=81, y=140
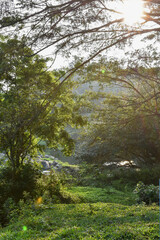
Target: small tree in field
x=33, y=107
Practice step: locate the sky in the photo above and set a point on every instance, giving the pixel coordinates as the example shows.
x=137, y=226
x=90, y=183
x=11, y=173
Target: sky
x=129, y=9
x=132, y=11
x=61, y=62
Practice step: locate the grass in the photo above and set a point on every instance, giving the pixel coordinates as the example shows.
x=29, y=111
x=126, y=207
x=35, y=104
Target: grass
x=107, y=194
x=87, y=221
x=104, y=214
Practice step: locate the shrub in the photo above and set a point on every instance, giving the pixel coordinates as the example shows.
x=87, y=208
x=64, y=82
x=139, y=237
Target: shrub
x=13, y=184
x=29, y=185
x=131, y=176
x=51, y=189
x=148, y=194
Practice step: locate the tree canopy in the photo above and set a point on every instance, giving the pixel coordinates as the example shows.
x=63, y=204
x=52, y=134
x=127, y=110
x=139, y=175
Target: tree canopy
x=89, y=29
x=93, y=26
x=32, y=108
x=124, y=115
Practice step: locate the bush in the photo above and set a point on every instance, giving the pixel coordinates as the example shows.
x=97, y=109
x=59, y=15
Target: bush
x=29, y=185
x=148, y=194
x=13, y=184
x=51, y=189
x=131, y=176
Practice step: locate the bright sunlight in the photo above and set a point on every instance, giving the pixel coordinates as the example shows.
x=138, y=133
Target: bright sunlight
x=132, y=11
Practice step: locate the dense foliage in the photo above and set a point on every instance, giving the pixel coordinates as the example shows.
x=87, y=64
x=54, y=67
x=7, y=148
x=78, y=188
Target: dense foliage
x=36, y=106
x=101, y=220
x=123, y=113
x=147, y=194
x=30, y=186
x=14, y=186
x=33, y=107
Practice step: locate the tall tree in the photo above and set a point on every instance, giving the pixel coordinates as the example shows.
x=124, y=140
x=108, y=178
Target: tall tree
x=32, y=107
x=126, y=118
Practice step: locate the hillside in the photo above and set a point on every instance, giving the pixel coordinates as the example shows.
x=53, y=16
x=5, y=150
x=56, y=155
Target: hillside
x=104, y=219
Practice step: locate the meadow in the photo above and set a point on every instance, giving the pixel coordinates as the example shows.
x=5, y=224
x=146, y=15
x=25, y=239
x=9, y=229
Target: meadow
x=102, y=213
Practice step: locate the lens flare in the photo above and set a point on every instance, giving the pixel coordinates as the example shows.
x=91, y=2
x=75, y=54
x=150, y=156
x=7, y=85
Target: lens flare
x=24, y=228
x=38, y=201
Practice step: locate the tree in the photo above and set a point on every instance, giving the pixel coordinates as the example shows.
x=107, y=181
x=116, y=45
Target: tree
x=32, y=107
x=92, y=25
x=62, y=24
x=125, y=123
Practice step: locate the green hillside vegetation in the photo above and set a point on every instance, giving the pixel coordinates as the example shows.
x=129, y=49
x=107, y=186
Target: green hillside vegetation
x=79, y=145
x=74, y=211
x=106, y=214
x=93, y=202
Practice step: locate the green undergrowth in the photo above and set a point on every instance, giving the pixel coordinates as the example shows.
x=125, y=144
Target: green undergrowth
x=85, y=221
x=104, y=214
x=98, y=176
x=103, y=210
x=107, y=194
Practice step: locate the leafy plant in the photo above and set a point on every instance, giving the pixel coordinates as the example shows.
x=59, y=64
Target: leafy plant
x=51, y=188
x=148, y=194
x=13, y=185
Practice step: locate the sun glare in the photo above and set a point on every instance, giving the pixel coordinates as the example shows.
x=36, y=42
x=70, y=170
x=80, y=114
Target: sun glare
x=132, y=11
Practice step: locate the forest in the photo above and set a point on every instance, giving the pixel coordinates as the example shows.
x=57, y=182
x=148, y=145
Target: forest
x=79, y=119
